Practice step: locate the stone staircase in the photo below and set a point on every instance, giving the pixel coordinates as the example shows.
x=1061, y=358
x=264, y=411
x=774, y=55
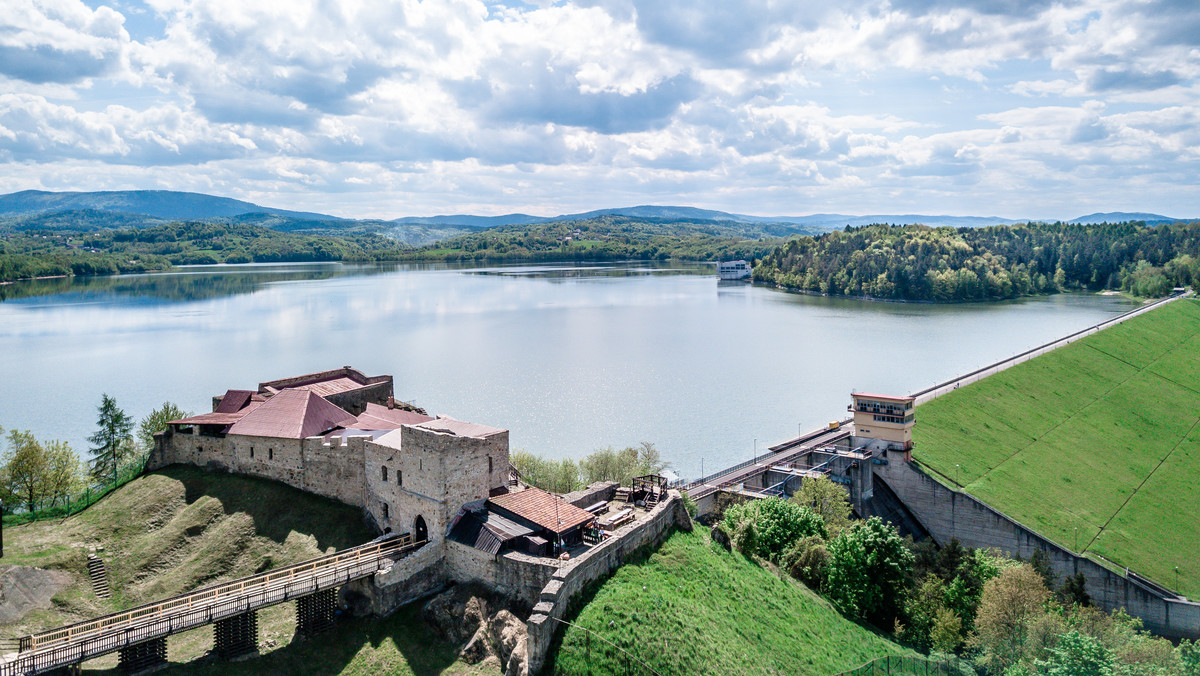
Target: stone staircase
x=99, y=576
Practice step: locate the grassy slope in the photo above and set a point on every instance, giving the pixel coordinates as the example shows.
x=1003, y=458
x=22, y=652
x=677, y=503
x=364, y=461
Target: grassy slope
x=183, y=528
x=1097, y=441
x=693, y=608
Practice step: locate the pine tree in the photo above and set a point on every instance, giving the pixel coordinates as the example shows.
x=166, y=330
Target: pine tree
x=113, y=437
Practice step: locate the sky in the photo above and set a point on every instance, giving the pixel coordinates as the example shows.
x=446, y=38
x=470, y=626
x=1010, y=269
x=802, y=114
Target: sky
x=1011, y=108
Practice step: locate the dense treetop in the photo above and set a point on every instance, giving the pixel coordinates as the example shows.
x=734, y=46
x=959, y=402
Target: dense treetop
x=920, y=263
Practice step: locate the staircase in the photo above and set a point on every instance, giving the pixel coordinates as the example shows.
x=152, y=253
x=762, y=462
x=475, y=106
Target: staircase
x=99, y=577
x=651, y=499
x=622, y=495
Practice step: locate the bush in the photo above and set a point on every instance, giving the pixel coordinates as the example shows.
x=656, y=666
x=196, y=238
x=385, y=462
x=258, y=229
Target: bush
x=869, y=572
x=768, y=527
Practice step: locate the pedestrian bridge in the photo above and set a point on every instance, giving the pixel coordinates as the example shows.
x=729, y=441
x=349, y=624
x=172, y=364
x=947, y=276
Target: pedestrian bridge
x=140, y=634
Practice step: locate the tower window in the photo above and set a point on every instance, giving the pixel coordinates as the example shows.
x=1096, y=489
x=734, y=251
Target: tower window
x=270, y=454
x=489, y=464
x=385, y=510
x=251, y=451
x=399, y=478
x=385, y=472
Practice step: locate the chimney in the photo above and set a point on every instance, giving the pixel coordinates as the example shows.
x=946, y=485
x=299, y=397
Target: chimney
x=391, y=402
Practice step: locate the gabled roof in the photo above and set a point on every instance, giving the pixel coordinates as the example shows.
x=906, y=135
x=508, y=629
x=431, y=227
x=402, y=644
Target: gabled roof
x=378, y=417
x=542, y=509
x=236, y=400
x=292, y=414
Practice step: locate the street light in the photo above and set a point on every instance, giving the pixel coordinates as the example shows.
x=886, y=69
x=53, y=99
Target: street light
x=957, y=474
x=1177, y=591
x=755, y=449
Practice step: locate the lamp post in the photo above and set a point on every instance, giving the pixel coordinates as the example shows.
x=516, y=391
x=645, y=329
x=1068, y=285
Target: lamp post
x=1177, y=591
x=756, y=449
x=1076, y=539
x=957, y=474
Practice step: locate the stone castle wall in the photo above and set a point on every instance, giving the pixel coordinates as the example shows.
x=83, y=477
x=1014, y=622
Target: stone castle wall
x=950, y=514
x=313, y=465
x=598, y=562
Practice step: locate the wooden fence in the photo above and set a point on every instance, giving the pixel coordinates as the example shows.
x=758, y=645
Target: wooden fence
x=82, y=641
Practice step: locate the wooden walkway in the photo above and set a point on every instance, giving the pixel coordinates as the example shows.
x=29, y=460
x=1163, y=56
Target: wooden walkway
x=76, y=643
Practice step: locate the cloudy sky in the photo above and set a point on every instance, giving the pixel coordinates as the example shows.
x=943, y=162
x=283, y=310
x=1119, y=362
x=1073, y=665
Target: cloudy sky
x=1015, y=108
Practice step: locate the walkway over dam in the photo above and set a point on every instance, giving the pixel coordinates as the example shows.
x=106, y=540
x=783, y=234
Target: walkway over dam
x=781, y=455
x=140, y=634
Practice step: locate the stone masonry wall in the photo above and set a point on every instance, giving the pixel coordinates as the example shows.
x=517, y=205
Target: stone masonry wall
x=417, y=575
x=949, y=514
x=518, y=576
x=650, y=530
x=313, y=465
x=592, y=493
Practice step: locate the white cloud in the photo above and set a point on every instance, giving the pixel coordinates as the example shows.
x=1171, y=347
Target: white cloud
x=386, y=108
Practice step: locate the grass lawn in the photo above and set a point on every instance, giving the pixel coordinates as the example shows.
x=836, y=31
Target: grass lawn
x=1095, y=445
x=693, y=608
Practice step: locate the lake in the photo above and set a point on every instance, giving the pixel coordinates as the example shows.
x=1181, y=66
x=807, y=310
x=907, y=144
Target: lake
x=569, y=357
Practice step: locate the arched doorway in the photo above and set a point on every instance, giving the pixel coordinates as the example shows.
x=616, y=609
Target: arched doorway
x=420, y=531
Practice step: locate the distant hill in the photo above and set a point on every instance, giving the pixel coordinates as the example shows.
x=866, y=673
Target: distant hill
x=146, y=208
x=167, y=204
x=1122, y=216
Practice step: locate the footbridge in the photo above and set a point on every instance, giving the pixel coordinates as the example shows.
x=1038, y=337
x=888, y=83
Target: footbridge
x=750, y=477
x=140, y=634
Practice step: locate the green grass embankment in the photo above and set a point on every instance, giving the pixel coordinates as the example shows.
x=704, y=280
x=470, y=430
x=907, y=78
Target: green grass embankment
x=1095, y=445
x=693, y=608
x=182, y=528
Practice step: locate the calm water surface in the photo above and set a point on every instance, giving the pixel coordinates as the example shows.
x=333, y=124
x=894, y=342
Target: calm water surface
x=569, y=358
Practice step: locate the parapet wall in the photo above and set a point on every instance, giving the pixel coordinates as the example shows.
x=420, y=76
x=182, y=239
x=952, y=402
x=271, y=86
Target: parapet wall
x=598, y=562
x=950, y=514
x=417, y=575
x=592, y=493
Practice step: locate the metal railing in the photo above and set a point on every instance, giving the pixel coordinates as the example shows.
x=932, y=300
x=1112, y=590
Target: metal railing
x=81, y=641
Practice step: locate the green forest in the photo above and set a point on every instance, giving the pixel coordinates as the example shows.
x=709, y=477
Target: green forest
x=613, y=238
x=947, y=264
x=25, y=255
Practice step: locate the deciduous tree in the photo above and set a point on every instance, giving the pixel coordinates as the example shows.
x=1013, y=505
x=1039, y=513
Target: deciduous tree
x=827, y=499
x=869, y=572
x=156, y=422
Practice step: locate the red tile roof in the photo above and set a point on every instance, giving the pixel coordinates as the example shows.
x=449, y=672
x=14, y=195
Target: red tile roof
x=543, y=509
x=378, y=417
x=292, y=414
x=236, y=400
x=214, y=418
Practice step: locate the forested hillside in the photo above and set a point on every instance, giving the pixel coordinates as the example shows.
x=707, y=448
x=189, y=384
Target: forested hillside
x=615, y=237
x=947, y=264
x=34, y=254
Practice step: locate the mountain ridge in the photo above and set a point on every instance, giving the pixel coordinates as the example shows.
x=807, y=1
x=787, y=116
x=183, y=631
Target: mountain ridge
x=170, y=204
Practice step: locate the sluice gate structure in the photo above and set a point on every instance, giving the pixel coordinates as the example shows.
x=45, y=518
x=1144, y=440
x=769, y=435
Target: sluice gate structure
x=140, y=634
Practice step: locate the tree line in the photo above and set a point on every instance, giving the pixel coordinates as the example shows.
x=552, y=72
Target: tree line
x=916, y=262
x=604, y=464
x=1008, y=616
x=611, y=238
x=27, y=255
x=38, y=474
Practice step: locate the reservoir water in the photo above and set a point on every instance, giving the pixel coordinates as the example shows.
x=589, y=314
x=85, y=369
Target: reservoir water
x=569, y=357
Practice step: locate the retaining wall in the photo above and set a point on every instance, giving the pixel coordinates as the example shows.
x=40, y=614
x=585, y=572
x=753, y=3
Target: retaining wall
x=950, y=514
x=599, y=561
x=416, y=575
x=592, y=493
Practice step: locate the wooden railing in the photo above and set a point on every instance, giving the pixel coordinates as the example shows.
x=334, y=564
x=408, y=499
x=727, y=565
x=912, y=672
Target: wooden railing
x=75, y=643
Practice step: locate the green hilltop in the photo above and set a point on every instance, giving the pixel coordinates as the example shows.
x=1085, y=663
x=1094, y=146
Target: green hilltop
x=1095, y=445
x=691, y=607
